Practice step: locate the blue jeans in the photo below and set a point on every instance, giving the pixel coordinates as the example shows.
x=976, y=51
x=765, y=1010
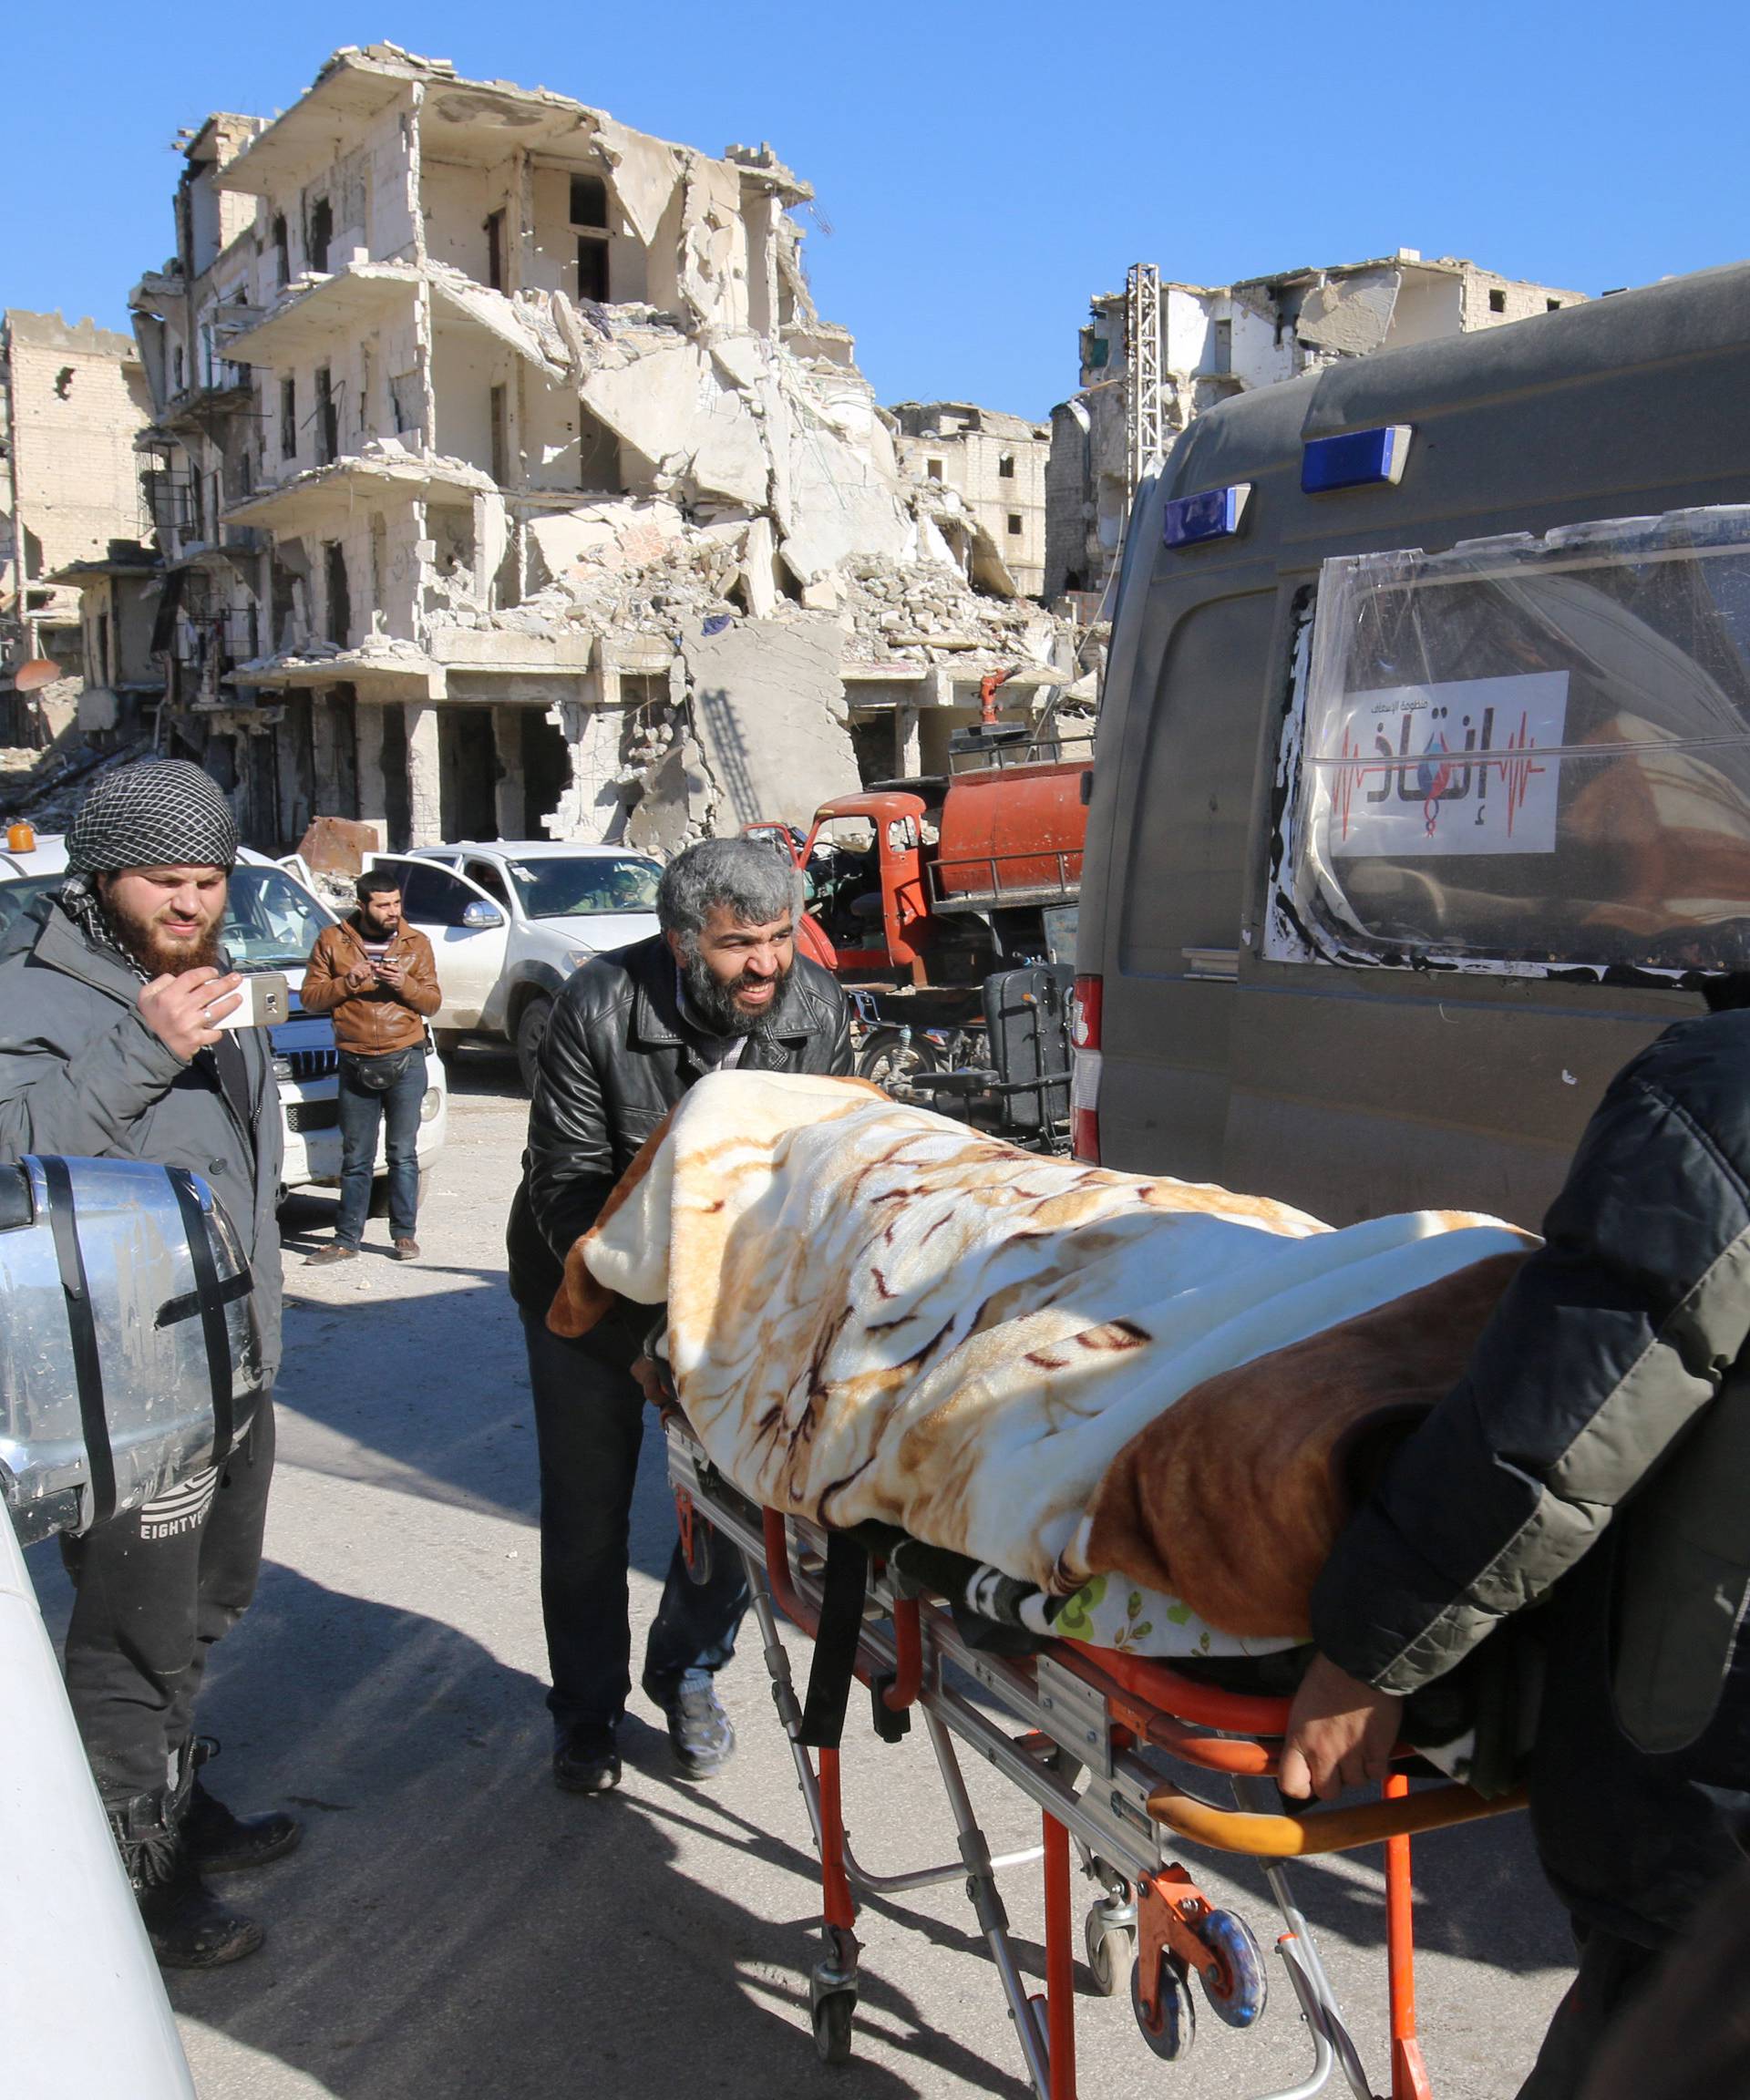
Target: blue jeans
x=373, y=1088
x=589, y=1422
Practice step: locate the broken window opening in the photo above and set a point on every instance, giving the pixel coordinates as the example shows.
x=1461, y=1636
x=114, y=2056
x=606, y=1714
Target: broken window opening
x=592, y=268
x=178, y=368
x=590, y=202
x=288, y=419
x=282, y=251
x=321, y=231
x=1496, y=300
x=934, y=469
x=500, y=465
x=1552, y=305
x=495, y=250
x=340, y=609
x=598, y=457
x=327, y=419
x=1005, y=467
x=1015, y=521
x=405, y=400
x=64, y=382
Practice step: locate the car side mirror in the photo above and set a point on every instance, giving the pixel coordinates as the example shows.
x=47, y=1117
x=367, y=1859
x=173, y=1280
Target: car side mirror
x=479, y=915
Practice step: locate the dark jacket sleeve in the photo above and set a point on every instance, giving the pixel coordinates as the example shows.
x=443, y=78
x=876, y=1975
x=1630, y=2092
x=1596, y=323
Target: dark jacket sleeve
x=325, y=975
x=83, y=1098
x=570, y=1168
x=1606, y=1344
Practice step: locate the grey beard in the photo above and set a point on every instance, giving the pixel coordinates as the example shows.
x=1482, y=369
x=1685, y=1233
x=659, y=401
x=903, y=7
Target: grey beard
x=714, y=1004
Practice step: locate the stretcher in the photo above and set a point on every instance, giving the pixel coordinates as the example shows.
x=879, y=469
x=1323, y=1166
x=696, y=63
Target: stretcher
x=1097, y=1739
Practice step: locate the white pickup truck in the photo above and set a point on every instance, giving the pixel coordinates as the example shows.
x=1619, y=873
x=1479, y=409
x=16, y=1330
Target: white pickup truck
x=509, y=920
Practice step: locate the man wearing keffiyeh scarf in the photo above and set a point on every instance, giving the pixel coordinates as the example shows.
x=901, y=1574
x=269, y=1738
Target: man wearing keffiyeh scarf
x=109, y=1047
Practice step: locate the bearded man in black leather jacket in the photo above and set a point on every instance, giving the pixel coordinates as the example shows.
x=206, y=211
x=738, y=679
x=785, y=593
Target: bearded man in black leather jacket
x=721, y=985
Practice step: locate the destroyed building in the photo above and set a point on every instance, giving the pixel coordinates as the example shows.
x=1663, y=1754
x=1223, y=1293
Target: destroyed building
x=996, y=465
x=1214, y=342
x=73, y=400
x=508, y=482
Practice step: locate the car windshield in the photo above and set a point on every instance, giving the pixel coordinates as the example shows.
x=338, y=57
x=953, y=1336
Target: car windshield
x=271, y=922
x=18, y=896
x=554, y=888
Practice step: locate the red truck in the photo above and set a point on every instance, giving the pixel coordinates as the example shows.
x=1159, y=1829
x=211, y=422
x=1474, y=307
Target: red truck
x=947, y=908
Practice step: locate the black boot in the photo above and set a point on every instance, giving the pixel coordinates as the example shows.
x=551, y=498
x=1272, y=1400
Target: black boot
x=187, y=1924
x=221, y=1843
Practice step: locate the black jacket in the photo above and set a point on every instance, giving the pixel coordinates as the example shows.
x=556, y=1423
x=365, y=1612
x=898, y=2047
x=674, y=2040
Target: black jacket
x=1596, y=1454
x=616, y=1057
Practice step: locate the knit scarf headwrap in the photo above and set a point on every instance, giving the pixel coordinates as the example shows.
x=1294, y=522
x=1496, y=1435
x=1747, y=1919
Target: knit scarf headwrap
x=157, y=813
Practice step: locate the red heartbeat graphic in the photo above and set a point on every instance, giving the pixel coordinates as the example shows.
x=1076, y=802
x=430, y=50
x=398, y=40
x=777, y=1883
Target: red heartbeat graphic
x=1515, y=767
x=1517, y=773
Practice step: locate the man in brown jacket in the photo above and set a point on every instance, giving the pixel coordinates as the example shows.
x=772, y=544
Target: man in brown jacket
x=375, y=975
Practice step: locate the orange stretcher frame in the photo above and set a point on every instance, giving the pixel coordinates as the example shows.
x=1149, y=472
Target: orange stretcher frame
x=1233, y=1734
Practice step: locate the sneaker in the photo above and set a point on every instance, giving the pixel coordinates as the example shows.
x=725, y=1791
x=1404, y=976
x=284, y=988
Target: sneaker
x=336, y=1251
x=699, y=1731
x=405, y=1250
x=585, y=1760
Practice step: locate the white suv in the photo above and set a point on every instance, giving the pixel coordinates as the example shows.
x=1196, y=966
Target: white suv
x=509, y=920
x=271, y=921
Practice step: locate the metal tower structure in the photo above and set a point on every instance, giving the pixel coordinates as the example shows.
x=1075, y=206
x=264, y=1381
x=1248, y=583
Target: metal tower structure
x=1144, y=411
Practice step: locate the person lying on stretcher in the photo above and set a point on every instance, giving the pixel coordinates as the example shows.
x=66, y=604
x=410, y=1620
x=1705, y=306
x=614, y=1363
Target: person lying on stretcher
x=1588, y=1471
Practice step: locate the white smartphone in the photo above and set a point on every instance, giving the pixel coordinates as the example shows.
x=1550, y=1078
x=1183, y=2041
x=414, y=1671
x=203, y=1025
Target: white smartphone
x=265, y=1002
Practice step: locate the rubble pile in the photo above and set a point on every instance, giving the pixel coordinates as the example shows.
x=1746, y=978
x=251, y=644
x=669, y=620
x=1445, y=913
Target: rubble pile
x=52, y=789
x=926, y=612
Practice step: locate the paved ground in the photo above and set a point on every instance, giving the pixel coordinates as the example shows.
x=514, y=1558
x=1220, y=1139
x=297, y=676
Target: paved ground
x=454, y=1926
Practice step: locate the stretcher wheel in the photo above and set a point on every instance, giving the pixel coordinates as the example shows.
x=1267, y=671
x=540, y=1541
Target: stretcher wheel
x=1236, y=1993
x=1110, y=1952
x=1176, y=2029
x=833, y=2016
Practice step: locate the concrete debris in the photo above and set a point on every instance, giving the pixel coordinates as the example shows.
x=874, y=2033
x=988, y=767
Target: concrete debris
x=768, y=699
x=337, y=847
x=921, y=613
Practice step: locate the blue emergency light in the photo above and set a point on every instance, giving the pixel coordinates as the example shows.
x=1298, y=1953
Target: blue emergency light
x=1358, y=459
x=1216, y=514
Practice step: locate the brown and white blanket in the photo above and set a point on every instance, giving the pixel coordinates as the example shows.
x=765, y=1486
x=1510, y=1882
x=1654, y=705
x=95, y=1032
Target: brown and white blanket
x=877, y=1312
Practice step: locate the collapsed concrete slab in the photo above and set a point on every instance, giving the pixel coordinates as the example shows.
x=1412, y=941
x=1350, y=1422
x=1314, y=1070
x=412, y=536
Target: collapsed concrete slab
x=769, y=700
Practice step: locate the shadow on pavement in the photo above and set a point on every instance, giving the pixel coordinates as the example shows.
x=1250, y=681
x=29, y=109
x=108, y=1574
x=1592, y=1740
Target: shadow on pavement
x=430, y=1396
x=454, y=1925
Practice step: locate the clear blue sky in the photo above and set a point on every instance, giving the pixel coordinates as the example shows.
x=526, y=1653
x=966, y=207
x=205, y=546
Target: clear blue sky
x=985, y=168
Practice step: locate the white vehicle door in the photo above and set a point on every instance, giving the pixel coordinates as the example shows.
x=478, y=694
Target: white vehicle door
x=468, y=931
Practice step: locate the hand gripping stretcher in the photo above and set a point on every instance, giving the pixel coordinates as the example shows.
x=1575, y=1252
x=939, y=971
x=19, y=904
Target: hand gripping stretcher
x=1072, y=1727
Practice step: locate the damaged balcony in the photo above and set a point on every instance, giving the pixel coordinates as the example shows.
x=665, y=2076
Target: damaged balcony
x=353, y=89
x=317, y=310
x=380, y=471
x=377, y=670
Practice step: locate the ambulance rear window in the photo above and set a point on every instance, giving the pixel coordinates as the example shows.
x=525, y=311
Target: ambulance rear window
x=1528, y=754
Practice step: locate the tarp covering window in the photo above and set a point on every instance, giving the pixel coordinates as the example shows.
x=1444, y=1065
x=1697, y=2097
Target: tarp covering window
x=1527, y=752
